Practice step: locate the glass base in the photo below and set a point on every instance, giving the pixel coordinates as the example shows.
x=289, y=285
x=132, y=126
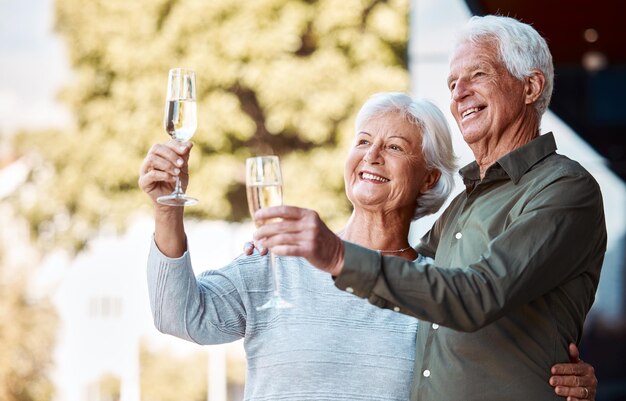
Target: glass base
x=177, y=200
x=275, y=302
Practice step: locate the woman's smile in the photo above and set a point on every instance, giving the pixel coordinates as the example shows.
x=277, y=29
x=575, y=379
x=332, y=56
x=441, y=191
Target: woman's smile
x=369, y=176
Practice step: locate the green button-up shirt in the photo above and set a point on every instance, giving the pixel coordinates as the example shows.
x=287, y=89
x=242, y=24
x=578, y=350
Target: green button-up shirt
x=517, y=260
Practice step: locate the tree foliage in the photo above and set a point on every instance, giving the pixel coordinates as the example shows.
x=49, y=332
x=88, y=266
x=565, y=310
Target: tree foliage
x=109, y=387
x=26, y=341
x=169, y=377
x=274, y=76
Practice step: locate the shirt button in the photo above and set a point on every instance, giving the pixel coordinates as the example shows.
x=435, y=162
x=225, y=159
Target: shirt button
x=350, y=290
x=458, y=235
x=396, y=309
x=426, y=373
x=435, y=326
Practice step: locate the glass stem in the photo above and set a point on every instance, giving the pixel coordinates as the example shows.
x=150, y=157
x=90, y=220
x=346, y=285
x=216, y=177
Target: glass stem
x=177, y=189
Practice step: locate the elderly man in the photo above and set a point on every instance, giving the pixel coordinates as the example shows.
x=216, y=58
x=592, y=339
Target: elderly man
x=517, y=255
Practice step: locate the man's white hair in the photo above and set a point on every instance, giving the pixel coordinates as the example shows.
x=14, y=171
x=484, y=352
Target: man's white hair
x=521, y=48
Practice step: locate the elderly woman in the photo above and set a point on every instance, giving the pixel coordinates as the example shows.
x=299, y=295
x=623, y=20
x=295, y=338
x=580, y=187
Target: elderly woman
x=332, y=346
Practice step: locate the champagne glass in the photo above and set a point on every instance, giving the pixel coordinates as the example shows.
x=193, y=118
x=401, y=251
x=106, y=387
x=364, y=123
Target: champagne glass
x=264, y=184
x=180, y=121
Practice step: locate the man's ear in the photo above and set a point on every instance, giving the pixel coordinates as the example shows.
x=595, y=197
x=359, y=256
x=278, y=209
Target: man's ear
x=534, y=86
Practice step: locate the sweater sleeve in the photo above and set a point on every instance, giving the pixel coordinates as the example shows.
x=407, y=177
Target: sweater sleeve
x=208, y=309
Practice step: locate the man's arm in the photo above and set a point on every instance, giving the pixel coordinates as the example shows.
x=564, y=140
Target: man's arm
x=463, y=298
x=469, y=297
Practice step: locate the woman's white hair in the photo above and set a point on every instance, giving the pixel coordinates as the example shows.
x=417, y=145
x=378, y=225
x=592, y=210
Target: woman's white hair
x=521, y=48
x=436, y=141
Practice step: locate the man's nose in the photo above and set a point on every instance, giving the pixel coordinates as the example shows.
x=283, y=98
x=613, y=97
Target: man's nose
x=461, y=89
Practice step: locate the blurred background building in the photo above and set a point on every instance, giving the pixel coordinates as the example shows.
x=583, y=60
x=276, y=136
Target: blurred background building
x=106, y=347
x=102, y=301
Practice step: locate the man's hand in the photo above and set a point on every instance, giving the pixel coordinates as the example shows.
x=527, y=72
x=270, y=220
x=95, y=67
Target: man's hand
x=293, y=231
x=575, y=380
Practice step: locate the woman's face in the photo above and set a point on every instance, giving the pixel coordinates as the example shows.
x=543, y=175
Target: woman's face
x=385, y=169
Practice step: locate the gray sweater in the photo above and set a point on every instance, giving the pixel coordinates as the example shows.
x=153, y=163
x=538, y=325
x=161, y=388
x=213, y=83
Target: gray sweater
x=331, y=346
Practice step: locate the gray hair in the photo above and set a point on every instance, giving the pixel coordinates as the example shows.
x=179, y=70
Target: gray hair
x=436, y=141
x=521, y=49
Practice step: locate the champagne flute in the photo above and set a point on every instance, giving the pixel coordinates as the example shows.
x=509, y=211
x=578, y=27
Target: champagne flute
x=180, y=121
x=264, y=185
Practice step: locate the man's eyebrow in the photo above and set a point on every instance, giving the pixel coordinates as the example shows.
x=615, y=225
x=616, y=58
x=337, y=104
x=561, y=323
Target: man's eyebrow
x=364, y=133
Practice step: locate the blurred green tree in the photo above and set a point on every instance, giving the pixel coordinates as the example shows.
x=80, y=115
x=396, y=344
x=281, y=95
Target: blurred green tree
x=26, y=340
x=109, y=387
x=169, y=377
x=274, y=76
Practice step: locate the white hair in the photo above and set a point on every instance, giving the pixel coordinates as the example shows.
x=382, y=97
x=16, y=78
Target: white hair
x=436, y=141
x=521, y=48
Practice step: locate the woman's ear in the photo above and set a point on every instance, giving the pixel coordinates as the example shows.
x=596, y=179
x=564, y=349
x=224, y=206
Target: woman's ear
x=431, y=180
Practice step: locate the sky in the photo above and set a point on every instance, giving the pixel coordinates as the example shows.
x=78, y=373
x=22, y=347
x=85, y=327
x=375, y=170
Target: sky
x=33, y=67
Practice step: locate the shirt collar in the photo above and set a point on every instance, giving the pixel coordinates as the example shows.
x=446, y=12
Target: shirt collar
x=516, y=163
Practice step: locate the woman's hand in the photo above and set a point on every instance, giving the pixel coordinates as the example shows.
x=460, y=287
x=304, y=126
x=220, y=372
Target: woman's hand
x=248, y=249
x=299, y=232
x=575, y=380
x=161, y=166
x=157, y=177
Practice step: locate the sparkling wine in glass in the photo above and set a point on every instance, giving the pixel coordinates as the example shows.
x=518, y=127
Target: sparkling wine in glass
x=264, y=185
x=180, y=122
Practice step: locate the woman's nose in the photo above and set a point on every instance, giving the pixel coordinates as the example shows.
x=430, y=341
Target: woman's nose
x=373, y=154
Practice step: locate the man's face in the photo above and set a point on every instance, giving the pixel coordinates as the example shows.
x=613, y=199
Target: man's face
x=487, y=102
